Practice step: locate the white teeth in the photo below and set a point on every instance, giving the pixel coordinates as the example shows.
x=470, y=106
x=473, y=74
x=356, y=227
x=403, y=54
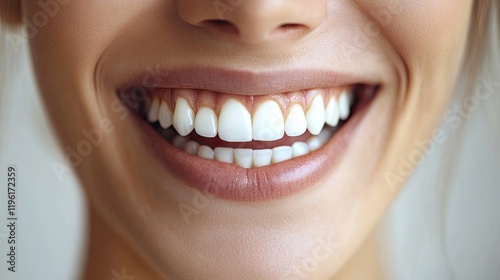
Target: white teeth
x=316, y=116
x=191, y=147
x=299, y=149
x=296, y=122
x=243, y=157
x=268, y=124
x=281, y=154
x=248, y=158
x=205, y=123
x=224, y=155
x=344, y=105
x=165, y=115
x=332, y=112
x=205, y=152
x=183, y=118
x=154, y=110
x=235, y=122
x=262, y=157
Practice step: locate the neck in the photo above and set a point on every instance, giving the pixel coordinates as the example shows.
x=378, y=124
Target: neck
x=110, y=257
x=366, y=262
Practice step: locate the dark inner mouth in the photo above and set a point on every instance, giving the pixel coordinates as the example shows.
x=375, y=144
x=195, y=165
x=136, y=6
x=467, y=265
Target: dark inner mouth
x=135, y=99
x=217, y=142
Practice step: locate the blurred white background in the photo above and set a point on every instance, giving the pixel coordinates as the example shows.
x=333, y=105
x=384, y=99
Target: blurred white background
x=51, y=227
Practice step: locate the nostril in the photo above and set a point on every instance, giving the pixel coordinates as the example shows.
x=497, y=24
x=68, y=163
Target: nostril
x=290, y=28
x=219, y=25
x=218, y=22
x=254, y=22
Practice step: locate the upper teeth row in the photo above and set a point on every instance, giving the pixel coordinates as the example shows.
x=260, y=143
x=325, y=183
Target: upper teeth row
x=235, y=124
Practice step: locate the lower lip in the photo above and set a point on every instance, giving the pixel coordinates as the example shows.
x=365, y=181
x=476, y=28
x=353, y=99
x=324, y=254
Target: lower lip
x=232, y=182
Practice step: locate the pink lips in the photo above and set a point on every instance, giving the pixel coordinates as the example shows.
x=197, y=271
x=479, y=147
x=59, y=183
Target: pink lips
x=229, y=181
x=244, y=82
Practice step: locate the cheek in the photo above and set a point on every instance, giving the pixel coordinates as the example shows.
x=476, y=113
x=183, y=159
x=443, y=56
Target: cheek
x=430, y=39
x=426, y=32
x=77, y=32
x=420, y=31
x=67, y=39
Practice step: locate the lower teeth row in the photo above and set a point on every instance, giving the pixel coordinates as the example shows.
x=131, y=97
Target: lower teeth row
x=248, y=158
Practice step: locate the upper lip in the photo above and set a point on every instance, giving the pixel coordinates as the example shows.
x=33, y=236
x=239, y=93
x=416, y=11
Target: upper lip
x=244, y=82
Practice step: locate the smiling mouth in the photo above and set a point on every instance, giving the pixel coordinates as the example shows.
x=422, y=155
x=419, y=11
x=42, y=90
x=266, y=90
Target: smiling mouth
x=234, y=146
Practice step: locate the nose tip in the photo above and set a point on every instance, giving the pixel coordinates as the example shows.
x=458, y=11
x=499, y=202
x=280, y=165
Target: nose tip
x=254, y=21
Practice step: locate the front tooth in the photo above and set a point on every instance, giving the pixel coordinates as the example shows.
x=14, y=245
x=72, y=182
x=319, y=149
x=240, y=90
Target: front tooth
x=243, y=157
x=268, y=123
x=224, y=155
x=191, y=147
x=332, y=112
x=316, y=116
x=235, y=122
x=165, y=115
x=205, y=152
x=205, y=123
x=154, y=110
x=262, y=157
x=281, y=154
x=344, y=109
x=296, y=122
x=299, y=149
x=183, y=118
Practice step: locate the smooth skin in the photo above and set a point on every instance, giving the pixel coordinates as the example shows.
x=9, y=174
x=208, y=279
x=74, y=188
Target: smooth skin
x=86, y=48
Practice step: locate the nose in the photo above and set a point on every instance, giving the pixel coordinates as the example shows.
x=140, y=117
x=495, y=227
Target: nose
x=254, y=21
